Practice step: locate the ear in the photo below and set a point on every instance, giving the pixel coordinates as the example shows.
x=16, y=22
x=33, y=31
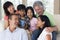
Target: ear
x=43, y=22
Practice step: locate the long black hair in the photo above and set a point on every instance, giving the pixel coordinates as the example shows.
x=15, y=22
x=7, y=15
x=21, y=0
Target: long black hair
x=5, y=6
x=31, y=10
x=46, y=19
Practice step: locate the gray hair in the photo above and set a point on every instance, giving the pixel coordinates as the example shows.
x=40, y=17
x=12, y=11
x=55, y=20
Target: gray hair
x=38, y=3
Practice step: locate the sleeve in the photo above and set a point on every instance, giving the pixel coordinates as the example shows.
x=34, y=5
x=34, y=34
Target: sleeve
x=42, y=36
x=48, y=33
x=6, y=18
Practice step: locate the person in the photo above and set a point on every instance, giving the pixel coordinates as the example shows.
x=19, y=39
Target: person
x=40, y=33
x=33, y=20
x=13, y=32
x=40, y=10
x=8, y=9
x=22, y=13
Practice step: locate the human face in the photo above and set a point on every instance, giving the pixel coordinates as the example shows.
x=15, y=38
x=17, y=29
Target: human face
x=21, y=12
x=11, y=9
x=14, y=21
x=39, y=10
x=29, y=13
x=40, y=23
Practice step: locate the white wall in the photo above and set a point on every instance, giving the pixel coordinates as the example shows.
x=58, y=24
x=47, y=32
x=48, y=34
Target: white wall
x=57, y=20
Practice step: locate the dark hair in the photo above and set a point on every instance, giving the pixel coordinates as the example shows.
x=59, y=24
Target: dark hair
x=31, y=10
x=10, y=16
x=21, y=7
x=5, y=6
x=46, y=19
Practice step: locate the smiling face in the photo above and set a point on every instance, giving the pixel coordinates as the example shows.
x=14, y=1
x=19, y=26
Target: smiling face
x=40, y=23
x=11, y=9
x=39, y=9
x=14, y=21
x=21, y=12
x=29, y=13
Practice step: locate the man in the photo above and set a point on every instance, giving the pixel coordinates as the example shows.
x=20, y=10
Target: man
x=40, y=10
x=13, y=32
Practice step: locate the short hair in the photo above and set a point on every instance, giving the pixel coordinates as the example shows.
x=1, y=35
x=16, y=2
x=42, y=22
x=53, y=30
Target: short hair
x=46, y=19
x=10, y=16
x=38, y=3
x=5, y=6
x=21, y=7
x=31, y=10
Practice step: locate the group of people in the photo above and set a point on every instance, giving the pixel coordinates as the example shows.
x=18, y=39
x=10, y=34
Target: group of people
x=24, y=24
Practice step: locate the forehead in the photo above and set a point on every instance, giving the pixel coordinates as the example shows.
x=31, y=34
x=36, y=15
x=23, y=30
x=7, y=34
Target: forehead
x=10, y=6
x=38, y=7
x=29, y=10
x=22, y=10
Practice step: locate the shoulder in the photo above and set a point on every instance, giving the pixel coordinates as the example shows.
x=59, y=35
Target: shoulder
x=46, y=32
x=34, y=19
x=22, y=30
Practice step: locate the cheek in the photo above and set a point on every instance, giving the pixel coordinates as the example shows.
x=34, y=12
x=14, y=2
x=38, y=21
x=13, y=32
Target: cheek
x=12, y=9
x=38, y=23
x=19, y=12
x=8, y=9
x=13, y=21
x=28, y=14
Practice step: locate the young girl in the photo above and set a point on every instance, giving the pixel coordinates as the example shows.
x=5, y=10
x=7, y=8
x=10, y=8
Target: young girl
x=8, y=9
x=32, y=19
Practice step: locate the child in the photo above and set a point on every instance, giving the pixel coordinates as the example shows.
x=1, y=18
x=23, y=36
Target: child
x=32, y=19
x=22, y=11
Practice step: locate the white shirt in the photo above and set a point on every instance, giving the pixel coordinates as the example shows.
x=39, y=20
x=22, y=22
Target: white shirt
x=18, y=34
x=43, y=35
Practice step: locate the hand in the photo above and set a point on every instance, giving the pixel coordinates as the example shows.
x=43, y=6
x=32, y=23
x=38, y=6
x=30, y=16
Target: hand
x=49, y=29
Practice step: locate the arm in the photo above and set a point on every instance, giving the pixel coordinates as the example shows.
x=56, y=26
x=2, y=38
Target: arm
x=51, y=29
x=48, y=37
x=5, y=24
x=55, y=28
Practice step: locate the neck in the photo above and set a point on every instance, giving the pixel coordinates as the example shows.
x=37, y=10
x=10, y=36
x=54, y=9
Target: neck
x=30, y=18
x=11, y=28
x=22, y=17
x=39, y=27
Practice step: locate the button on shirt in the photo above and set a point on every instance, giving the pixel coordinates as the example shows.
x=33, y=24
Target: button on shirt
x=18, y=34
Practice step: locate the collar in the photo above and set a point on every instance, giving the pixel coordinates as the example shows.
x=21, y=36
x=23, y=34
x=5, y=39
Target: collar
x=13, y=31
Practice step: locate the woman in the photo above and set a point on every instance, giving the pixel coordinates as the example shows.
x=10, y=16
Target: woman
x=8, y=9
x=40, y=33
